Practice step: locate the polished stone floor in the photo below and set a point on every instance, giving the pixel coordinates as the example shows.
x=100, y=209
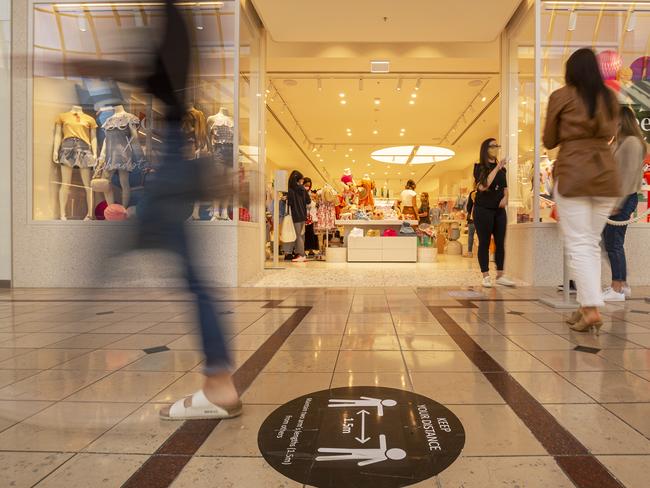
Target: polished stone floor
x=81, y=382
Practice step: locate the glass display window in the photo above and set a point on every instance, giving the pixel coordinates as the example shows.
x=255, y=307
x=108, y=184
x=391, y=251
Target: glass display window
x=80, y=124
x=540, y=39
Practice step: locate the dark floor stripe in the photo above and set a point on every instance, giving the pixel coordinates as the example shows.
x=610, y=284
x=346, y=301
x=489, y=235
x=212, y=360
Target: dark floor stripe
x=162, y=468
x=573, y=458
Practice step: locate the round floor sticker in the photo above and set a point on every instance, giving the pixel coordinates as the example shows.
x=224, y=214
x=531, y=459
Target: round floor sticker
x=361, y=436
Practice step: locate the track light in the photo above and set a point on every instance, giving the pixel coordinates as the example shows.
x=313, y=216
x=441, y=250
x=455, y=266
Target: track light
x=138, y=17
x=573, y=20
x=320, y=84
x=399, y=85
x=360, y=84
x=631, y=21
x=417, y=83
x=82, y=23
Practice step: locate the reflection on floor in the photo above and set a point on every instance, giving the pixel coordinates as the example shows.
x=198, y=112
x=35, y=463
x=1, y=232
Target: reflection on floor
x=447, y=271
x=79, y=396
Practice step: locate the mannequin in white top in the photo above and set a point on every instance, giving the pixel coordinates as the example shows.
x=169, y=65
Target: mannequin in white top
x=123, y=173
x=62, y=131
x=220, y=137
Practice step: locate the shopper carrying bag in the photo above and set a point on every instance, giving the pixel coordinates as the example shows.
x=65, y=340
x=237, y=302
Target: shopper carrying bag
x=287, y=229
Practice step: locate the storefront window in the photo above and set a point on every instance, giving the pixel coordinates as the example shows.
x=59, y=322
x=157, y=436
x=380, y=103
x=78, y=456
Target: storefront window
x=251, y=98
x=79, y=124
x=619, y=32
x=521, y=114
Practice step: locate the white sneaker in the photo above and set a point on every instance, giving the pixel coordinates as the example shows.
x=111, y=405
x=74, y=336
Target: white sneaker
x=611, y=295
x=299, y=259
x=504, y=281
x=627, y=291
x=487, y=282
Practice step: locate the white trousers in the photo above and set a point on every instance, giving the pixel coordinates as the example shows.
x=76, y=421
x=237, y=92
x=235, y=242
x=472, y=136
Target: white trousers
x=582, y=220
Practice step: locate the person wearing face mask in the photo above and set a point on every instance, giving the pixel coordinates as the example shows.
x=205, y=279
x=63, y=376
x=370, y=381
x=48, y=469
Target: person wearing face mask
x=311, y=239
x=490, y=218
x=298, y=199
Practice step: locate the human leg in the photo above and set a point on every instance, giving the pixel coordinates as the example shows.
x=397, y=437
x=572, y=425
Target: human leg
x=299, y=248
x=483, y=222
x=499, y=233
x=471, y=230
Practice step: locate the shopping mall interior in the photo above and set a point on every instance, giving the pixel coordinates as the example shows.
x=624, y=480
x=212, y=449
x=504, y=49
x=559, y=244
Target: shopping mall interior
x=212, y=355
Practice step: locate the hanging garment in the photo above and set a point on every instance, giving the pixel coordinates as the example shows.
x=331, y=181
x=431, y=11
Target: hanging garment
x=194, y=127
x=326, y=213
x=123, y=151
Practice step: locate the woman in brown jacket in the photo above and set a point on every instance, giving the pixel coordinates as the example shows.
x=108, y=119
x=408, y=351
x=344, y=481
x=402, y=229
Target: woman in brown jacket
x=582, y=119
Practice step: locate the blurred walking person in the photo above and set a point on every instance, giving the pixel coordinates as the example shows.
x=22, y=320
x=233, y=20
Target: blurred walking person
x=582, y=119
x=168, y=200
x=630, y=153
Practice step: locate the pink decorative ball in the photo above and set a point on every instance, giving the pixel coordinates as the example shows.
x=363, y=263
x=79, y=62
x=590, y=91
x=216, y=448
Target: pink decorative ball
x=610, y=62
x=115, y=211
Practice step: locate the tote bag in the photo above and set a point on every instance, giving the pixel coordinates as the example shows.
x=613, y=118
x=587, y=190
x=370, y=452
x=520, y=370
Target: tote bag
x=287, y=230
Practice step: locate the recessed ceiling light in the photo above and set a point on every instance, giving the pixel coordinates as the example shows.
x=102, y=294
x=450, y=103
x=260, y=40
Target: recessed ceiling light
x=372, y=172
x=349, y=133
x=412, y=173
x=368, y=164
x=344, y=101
x=342, y=95
x=350, y=149
x=354, y=160
x=402, y=130
x=401, y=134
x=414, y=95
x=399, y=173
x=404, y=154
x=484, y=98
x=375, y=132
x=386, y=173
x=411, y=102
x=377, y=101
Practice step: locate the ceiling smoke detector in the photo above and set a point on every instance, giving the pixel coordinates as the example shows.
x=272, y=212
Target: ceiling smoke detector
x=380, y=66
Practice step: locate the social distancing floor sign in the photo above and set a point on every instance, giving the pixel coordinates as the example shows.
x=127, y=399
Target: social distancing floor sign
x=361, y=436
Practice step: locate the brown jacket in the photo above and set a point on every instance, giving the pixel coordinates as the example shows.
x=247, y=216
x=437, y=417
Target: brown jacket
x=585, y=165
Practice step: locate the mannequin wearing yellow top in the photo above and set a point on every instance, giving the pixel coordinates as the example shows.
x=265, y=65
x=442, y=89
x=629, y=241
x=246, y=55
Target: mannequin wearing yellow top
x=88, y=133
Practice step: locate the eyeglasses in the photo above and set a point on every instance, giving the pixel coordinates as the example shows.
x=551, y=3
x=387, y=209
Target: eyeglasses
x=493, y=145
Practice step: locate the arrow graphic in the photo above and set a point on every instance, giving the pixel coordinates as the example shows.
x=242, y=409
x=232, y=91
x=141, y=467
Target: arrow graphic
x=363, y=439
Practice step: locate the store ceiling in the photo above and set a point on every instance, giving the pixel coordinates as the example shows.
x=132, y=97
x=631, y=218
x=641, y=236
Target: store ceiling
x=386, y=21
x=308, y=127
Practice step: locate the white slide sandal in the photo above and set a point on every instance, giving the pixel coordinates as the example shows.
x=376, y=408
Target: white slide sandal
x=200, y=408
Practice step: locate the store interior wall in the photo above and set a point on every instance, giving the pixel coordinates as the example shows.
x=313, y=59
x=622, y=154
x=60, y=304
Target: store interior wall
x=5, y=142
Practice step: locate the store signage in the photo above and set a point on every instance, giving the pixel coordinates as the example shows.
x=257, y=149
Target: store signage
x=364, y=436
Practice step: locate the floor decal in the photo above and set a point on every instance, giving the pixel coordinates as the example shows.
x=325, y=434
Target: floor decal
x=361, y=436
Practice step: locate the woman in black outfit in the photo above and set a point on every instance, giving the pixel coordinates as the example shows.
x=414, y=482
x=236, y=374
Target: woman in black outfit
x=311, y=239
x=298, y=199
x=490, y=218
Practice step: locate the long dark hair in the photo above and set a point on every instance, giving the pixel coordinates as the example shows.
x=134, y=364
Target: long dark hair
x=629, y=126
x=583, y=73
x=307, y=181
x=482, y=172
x=293, y=179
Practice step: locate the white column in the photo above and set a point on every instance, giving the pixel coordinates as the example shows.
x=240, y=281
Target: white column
x=5, y=142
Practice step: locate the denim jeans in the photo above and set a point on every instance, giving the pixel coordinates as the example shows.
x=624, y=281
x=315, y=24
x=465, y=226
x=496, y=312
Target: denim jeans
x=614, y=237
x=470, y=236
x=162, y=214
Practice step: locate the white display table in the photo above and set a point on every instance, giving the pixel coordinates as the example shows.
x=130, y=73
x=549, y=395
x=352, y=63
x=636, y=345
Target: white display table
x=400, y=249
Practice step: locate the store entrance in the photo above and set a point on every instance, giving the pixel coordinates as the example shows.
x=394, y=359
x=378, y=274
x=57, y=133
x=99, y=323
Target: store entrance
x=384, y=138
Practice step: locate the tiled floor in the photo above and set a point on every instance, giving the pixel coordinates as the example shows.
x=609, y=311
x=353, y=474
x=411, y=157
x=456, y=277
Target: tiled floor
x=79, y=395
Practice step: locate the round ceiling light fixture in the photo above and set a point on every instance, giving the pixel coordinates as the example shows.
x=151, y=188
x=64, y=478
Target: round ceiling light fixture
x=413, y=154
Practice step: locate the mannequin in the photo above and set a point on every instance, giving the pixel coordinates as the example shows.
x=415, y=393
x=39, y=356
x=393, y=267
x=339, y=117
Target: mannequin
x=221, y=135
x=75, y=146
x=121, y=151
x=195, y=128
